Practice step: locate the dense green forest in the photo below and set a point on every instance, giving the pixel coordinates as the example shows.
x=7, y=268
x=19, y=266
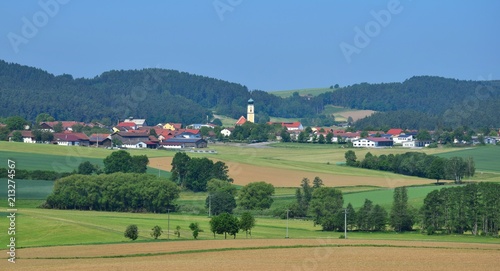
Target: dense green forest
x=422, y=102
x=158, y=95
x=161, y=95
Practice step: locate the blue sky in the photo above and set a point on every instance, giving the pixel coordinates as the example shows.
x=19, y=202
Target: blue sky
x=266, y=45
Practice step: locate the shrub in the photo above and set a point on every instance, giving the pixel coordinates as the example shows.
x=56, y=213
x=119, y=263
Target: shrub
x=132, y=232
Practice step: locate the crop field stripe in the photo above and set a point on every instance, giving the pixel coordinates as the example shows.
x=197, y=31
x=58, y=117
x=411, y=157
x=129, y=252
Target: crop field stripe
x=255, y=248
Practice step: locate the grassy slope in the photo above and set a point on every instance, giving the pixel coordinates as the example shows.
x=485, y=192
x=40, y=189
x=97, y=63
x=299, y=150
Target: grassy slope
x=486, y=158
x=306, y=91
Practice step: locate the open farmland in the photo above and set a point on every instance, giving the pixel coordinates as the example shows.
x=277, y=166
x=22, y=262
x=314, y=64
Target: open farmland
x=271, y=254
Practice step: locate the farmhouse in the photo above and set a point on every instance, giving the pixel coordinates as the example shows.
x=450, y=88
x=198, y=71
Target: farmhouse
x=71, y=139
x=26, y=135
x=372, y=142
x=100, y=140
x=66, y=125
x=132, y=139
x=181, y=143
x=400, y=139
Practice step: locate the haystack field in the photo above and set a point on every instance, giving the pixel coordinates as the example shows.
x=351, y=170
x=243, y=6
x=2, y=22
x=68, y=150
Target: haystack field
x=270, y=254
x=245, y=173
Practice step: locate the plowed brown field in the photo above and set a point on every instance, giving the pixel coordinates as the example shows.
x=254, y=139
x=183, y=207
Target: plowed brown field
x=309, y=254
x=245, y=173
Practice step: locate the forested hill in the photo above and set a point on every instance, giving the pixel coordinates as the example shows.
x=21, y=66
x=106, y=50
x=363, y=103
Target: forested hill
x=423, y=102
x=156, y=94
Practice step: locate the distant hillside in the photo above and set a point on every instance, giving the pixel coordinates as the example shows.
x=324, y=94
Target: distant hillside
x=156, y=94
x=161, y=95
x=423, y=101
x=301, y=92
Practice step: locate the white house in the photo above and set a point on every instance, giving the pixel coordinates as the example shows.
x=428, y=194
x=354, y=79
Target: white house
x=225, y=132
x=400, y=139
x=372, y=142
x=409, y=144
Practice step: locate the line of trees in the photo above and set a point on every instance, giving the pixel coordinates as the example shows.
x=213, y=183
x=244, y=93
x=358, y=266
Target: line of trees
x=417, y=164
x=474, y=207
x=229, y=224
x=47, y=175
x=123, y=192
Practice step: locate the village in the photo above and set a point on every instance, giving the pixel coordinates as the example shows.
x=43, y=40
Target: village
x=135, y=133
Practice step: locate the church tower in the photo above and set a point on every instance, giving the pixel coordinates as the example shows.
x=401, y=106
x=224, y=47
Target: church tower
x=250, y=111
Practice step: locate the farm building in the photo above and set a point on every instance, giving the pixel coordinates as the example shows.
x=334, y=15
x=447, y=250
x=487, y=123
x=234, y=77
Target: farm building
x=372, y=142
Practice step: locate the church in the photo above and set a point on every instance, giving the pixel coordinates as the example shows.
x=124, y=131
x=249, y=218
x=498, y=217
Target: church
x=250, y=114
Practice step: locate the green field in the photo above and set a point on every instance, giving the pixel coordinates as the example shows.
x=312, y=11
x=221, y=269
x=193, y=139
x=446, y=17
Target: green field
x=485, y=157
x=41, y=227
x=306, y=91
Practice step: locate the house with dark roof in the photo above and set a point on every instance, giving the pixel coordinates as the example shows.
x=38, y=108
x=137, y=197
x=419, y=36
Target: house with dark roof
x=71, y=139
x=131, y=139
x=100, y=140
x=66, y=125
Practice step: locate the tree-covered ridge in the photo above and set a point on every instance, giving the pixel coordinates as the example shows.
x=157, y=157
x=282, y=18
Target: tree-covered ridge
x=423, y=101
x=159, y=95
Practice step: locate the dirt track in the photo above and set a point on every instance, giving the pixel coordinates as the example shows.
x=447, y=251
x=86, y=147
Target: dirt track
x=245, y=173
x=357, y=255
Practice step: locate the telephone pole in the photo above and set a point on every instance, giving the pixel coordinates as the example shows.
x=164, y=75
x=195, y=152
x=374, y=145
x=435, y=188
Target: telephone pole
x=287, y=211
x=345, y=223
x=168, y=224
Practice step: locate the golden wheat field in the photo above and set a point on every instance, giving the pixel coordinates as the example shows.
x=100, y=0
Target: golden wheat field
x=270, y=254
x=245, y=173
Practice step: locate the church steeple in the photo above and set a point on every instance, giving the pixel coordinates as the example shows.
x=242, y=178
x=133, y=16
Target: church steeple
x=250, y=111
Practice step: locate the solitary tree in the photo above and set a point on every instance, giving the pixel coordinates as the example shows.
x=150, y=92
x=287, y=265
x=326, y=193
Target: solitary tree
x=17, y=136
x=223, y=224
x=350, y=158
x=195, y=228
x=247, y=222
x=178, y=231
x=132, y=232
x=156, y=232
x=86, y=168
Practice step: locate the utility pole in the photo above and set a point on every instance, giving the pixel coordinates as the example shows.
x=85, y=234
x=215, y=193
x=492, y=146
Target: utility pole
x=209, y=205
x=345, y=223
x=168, y=224
x=287, y=211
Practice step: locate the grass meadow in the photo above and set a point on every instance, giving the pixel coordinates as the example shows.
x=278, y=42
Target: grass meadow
x=42, y=227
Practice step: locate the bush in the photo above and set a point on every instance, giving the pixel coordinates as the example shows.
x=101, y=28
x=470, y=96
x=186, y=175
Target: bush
x=132, y=232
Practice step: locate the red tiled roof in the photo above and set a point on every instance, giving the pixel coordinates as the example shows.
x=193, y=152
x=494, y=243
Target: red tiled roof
x=241, y=120
x=295, y=124
x=65, y=124
x=71, y=137
x=395, y=131
x=24, y=133
x=126, y=124
x=133, y=134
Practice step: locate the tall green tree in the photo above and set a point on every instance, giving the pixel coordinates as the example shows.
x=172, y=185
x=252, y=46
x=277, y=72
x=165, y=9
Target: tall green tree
x=225, y=223
x=350, y=158
x=180, y=164
x=118, y=161
x=256, y=196
x=247, y=222
x=15, y=123
x=17, y=136
x=326, y=206
x=364, y=216
x=401, y=216
x=139, y=163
